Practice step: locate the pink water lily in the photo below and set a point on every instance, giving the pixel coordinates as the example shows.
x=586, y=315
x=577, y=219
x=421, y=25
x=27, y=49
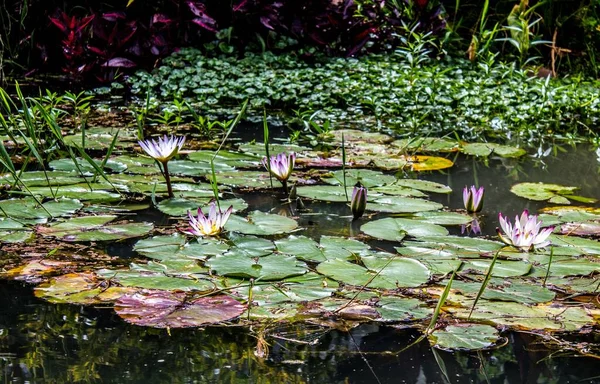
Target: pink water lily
x=280, y=166
x=473, y=199
x=526, y=233
x=211, y=225
x=164, y=148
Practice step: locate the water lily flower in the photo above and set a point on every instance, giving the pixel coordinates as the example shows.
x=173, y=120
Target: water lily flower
x=473, y=199
x=280, y=166
x=164, y=148
x=358, y=203
x=526, y=233
x=162, y=151
x=211, y=225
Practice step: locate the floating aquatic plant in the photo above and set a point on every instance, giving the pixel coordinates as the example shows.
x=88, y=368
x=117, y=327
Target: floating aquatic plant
x=358, y=204
x=526, y=233
x=163, y=150
x=280, y=166
x=473, y=199
x=210, y=225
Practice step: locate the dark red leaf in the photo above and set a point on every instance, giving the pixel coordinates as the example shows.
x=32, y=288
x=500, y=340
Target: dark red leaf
x=113, y=16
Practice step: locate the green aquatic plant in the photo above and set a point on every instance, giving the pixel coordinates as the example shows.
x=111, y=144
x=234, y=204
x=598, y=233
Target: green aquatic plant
x=526, y=233
x=163, y=150
x=208, y=225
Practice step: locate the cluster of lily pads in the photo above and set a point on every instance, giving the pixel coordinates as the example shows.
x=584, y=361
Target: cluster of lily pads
x=220, y=266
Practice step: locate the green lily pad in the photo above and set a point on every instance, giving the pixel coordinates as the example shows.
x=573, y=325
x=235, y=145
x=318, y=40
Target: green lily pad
x=193, y=168
x=157, y=280
x=68, y=165
x=250, y=246
x=333, y=193
x=427, y=144
x=554, y=193
x=395, y=229
x=381, y=272
x=518, y=291
x=366, y=177
x=272, y=267
x=41, y=179
x=471, y=337
x=443, y=218
x=247, y=179
x=401, y=204
x=260, y=223
x=79, y=192
x=28, y=208
x=274, y=149
x=471, y=244
x=12, y=231
x=164, y=309
x=94, y=228
x=180, y=207
x=176, y=247
x=393, y=308
x=502, y=268
x=232, y=159
x=397, y=190
x=330, y=248
x=353, y=136
x=424, y=185
x=486, y=149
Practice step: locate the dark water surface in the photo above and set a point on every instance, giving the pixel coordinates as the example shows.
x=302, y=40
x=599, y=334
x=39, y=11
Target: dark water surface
x=48, y=343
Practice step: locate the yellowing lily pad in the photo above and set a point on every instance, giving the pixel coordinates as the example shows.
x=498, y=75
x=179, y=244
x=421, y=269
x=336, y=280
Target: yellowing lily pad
x=79, y=288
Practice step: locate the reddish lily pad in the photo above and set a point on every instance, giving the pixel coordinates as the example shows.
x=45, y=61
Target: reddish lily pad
x=164, y=309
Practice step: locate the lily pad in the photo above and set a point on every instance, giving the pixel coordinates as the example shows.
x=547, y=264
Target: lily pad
x=427, y=144
x=180, y=207
x=555, y=193
x=401, y=204
x=12, y=231
x=393, y=308
x=176, y=247
x=232, y=159
x=157, y=280
x=28, y=208
x=486, y=149
x=381, y=272
x=272, y=267
x=94, y=228
x=79, y=288
x=333, y=193
x=260, y=223
x=42, y=179
x=366, y=177
x=416, y=163
x=395, y=229
x=330, y=248
x=424, y=185
x=470, y=337
x=443, y=218
x=164, y=309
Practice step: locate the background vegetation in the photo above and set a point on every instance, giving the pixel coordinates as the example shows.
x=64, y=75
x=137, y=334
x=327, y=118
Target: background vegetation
x=99, y=40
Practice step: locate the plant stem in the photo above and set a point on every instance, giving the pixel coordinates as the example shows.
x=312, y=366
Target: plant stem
x=167, y=179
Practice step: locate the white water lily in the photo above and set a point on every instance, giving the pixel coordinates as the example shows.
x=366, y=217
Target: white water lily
x=208, y=225
x=280, y=166
x=526, y=233
x=164, y=148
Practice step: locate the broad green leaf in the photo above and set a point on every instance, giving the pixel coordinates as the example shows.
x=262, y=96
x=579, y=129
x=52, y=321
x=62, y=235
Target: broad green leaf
x=155, y=281
x=180, y=207
x=366, y=177
x=272, y=267
x=28, y=208
x=471, y=337
x=396, y=229
x=260, y=223
x=176, y=247
x=94, y=228
x=424, y=185
x=486, y=149
x=403, y=309
x=400, y=204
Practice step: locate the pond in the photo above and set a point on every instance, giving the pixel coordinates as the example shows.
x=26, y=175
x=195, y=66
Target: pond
x=313, y=316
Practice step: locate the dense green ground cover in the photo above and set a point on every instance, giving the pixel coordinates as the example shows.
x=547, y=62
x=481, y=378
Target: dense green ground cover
x=404, y=93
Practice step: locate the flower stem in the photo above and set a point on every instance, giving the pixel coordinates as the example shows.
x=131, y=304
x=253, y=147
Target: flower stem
x=285, y=187
x=167, y=179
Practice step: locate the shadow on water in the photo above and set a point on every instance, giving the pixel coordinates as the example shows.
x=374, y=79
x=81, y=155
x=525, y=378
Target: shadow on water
x=48, y=343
